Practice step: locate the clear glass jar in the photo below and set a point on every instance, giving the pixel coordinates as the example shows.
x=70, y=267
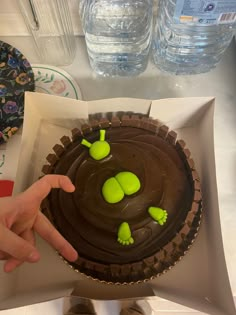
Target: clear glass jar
x=51, y=27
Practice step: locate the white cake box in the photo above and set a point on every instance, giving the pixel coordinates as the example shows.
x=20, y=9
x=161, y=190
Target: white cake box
x=199, y=280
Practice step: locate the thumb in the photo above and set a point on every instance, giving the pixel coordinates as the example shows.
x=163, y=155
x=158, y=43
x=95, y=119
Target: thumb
x=16, y=246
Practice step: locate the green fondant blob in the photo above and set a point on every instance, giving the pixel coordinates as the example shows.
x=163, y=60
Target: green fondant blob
x=124, y=234
x=124, y=183
x=129, y=182
x=112, y=191
x=99, y=149
x=158, y=214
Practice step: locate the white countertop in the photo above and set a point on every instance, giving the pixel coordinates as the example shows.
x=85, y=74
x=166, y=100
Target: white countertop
x=153, y=84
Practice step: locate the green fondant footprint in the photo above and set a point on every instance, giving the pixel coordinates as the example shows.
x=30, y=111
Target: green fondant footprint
x=124, y=234
x=158, y=214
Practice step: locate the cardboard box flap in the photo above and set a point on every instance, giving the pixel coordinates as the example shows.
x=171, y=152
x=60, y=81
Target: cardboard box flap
x=188, y=113
x=117, y=106
x=207, y=298
x=51, y=107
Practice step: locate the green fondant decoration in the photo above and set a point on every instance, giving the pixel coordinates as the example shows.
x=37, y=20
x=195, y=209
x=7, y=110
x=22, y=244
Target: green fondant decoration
x=86, y=143
x=99, y=149
x=102, y=134
x=124, y=234
x=112, y=191
x=129, y=182
x=115, y=188
x=158, y=214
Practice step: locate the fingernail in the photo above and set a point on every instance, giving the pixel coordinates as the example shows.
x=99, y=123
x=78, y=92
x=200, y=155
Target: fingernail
x=75, y=256
x=33, y=257
x=72, y=188
x=8, y=268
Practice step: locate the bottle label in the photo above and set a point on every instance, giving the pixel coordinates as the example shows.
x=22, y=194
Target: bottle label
x=206, y=12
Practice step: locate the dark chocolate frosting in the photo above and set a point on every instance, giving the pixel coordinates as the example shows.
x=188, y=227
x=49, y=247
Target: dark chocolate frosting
x=90, y=224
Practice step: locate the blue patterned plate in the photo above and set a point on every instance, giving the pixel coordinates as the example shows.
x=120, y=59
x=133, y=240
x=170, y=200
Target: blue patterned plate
x=16, y=77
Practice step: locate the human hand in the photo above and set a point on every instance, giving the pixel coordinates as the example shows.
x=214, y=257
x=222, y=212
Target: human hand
x=20, y=217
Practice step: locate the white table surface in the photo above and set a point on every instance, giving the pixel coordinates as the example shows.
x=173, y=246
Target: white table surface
x=152, y=84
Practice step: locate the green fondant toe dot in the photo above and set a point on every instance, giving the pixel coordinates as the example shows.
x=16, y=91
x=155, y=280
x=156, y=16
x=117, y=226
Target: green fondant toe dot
x=131, y=240
x=129, y=182
x=111, y=191
x=158, y=214
x=124, y=234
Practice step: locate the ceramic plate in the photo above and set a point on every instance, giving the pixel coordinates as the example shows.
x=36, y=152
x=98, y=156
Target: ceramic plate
x=16, y=77
x=53, y=80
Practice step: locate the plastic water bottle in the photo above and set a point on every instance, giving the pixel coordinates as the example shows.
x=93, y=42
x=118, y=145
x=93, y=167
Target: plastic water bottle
x=191, y=36
x=118, y=35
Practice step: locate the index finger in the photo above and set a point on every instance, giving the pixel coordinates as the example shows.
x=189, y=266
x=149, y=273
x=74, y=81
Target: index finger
x=47, y=231
x=43, y=186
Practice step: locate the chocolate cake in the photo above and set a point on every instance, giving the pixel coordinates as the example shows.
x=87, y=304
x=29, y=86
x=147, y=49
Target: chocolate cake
x=137, y=205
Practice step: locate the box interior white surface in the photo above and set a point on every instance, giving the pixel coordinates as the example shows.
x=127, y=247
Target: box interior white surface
x=199, y=280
